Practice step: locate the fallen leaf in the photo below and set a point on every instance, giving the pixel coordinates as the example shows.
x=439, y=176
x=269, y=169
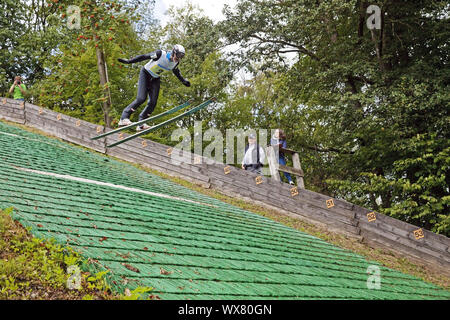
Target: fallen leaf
x=130, y=267
x=162, y=271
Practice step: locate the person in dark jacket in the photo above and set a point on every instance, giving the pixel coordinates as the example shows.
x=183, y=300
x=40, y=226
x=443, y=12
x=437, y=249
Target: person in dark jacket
x=279, y=138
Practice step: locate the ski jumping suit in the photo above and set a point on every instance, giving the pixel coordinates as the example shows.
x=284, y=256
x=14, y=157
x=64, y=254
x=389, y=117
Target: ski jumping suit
x=149, y=81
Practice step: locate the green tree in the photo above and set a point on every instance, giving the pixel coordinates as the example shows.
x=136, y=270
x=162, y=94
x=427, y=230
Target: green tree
x=84, y=78
x=10, y=33
x=364, y=94
x=27, y=38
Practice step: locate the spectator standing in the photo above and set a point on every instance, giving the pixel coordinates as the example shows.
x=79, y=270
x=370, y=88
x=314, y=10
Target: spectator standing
x=279, y=138
x=18, y=88
x=254, y=156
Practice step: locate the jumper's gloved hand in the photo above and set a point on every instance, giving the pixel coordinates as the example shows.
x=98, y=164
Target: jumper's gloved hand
x=187, y=83
x=123, y=60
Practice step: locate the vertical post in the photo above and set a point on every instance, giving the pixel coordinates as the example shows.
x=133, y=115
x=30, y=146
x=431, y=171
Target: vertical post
x=101, y=65
x=273, y=163
x=296, y=163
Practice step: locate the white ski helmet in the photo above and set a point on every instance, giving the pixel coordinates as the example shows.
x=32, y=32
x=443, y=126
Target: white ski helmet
x=178, y=51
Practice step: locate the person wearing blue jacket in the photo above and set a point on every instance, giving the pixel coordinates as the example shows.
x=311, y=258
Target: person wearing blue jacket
x=279, y=138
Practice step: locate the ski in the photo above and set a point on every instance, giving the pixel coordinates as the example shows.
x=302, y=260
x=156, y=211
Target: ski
x=193, y=110
x=134, y=124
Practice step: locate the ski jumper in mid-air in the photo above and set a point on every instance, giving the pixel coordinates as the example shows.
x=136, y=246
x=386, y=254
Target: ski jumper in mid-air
x=149, y=81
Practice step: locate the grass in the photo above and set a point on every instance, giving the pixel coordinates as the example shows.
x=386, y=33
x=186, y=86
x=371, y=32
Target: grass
x=39, y=269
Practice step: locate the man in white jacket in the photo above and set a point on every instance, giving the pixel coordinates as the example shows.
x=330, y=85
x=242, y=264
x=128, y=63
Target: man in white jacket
x=254, y=156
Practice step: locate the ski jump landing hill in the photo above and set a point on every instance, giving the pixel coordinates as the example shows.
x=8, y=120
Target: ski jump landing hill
x=339, y=216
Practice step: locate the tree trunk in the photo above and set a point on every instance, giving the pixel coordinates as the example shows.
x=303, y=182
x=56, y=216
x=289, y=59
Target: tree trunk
x=106, y=104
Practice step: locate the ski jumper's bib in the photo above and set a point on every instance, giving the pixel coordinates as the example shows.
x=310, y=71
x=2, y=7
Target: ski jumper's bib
x=155, y=68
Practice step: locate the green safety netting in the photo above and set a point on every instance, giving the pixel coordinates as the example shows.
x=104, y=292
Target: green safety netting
x=140, y=228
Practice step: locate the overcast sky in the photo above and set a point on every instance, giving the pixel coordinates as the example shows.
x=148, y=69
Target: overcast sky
x=211, y=8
